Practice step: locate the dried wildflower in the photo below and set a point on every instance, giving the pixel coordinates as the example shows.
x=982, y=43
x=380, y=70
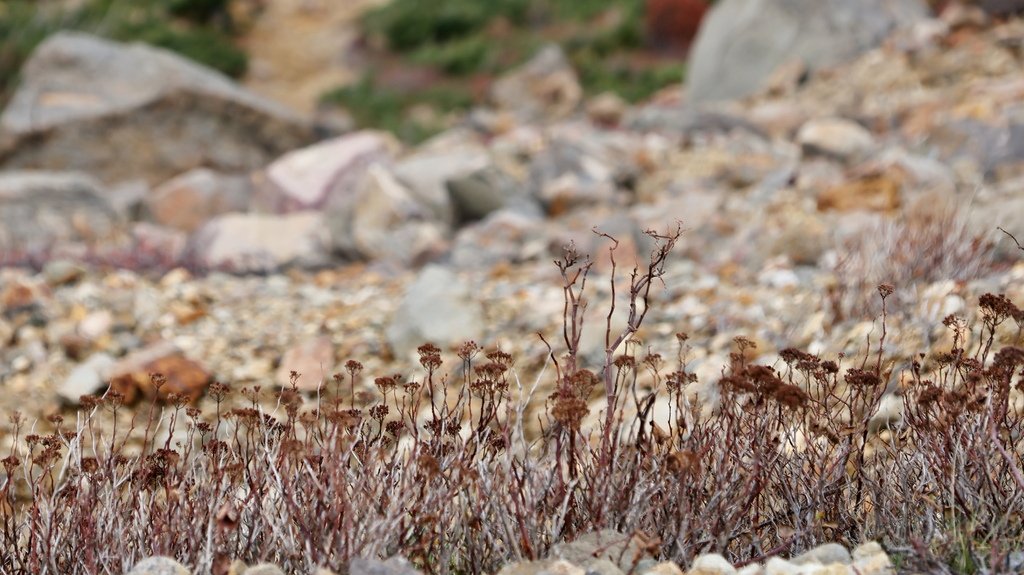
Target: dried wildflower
x=861, y=378
x=997, y=308
x=379, y=412
x=467, y=351
x=10, y=463
x=583, y=382
x=677, y=380
x=744, y=343
x=494, y=369
x=501, y=357
x=684, y=463
x=218, y=391
x=394, y=427
x=653, y=361
x=90, y=465
x=157, y=380
x=430, y=356
x=353, y=367
x=794, y=356
x=385, y=384
x=764, y=377
x=885, y=290
x=736, y=384
x=791, y=396
x=569, y=409
x=178, y=400
x=625, y=362
x=246, y=414
x=830, y=367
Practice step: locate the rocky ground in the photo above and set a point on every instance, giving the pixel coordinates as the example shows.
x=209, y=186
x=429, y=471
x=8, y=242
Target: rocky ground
x=605, y=553
x=254, y=242
x=157, y=217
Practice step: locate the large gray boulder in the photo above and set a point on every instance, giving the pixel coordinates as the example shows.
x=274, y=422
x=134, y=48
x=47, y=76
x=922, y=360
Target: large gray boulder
x=741, y=42
x=124, y=112
x=43, y=210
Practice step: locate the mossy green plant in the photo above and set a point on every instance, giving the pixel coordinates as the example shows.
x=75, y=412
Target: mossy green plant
x=372, y=105
x=469, y=42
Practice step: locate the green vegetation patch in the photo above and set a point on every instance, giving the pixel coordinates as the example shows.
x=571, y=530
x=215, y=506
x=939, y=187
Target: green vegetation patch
x=389, y=108
x=469, y=42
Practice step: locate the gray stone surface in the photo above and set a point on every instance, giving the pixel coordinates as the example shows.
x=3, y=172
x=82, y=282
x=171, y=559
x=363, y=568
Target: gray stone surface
x=188, y=201
x=383, y=221
x=87, y=378
x=476, y=194
x=323, y=175
x=158, y=566
x=263, y=569
x=825, y=554
x=438, y=307
x=41, y=209
x=741, y=42
x=544, y=87
x=619, y=548
x=261, y=242
x=123, y=112
x=394, y=566
x=427, y=174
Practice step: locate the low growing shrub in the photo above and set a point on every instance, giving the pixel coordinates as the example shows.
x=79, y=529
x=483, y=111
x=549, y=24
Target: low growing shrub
x=441, y=467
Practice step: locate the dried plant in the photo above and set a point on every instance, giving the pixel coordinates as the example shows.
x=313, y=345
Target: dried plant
x=441, y=467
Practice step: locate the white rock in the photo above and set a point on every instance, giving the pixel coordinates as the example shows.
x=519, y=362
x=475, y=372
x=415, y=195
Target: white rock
x=836, y=137
x=86, y=378
x=711, y=564
x=779, y=566
x=96, y=325
x=158, y=566
x=262, y=242
x=386, y=222
x=326, y=172
x=664, y=568
x=824, y=554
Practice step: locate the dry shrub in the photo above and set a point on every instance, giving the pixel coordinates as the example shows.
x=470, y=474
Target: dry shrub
x=448, y=477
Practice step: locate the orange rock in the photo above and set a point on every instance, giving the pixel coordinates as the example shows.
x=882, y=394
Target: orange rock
x=879, y=193
x=133, y=378
x=17, y=295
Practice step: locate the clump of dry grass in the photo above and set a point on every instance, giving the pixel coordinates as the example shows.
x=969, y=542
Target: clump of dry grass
x=439, y=468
